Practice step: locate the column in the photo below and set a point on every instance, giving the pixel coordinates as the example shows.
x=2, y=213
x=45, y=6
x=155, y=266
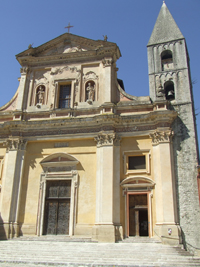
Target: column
x=11, y=185
x=166, y=227
x=107, y=189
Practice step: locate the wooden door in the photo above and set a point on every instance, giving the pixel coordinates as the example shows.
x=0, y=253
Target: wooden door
x=57, y=208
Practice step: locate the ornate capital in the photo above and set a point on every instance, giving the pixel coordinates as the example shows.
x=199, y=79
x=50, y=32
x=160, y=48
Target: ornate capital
x=104, y=139
x=161, y=136
x=107, y=62
x=24, y=70
x=13, y=144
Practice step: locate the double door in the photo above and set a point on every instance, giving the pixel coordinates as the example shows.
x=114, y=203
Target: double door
x=57, y=208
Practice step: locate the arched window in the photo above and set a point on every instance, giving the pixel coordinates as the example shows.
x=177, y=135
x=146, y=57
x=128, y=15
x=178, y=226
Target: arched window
x=167, y=60
x=169, y=90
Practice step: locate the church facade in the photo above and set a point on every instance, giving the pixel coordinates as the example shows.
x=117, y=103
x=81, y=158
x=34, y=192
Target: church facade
x=81, y=157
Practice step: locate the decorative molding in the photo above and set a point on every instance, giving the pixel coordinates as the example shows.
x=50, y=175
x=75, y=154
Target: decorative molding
x=55, y=71
x=90, y=75
x=13, y=144
x=161, y=136
x=24, y=70
x=105, y=139
x=107, y=62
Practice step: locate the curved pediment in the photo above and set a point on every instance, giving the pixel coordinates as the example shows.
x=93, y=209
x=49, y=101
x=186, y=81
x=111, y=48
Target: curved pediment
x=139, y=181
x=58, y=160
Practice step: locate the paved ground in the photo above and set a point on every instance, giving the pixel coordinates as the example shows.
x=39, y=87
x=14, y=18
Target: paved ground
x=40, y=253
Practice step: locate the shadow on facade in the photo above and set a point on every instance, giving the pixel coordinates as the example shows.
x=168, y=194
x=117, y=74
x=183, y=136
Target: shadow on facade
x=2, y=230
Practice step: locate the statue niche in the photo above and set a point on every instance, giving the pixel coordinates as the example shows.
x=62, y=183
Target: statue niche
x=40, y=96
x=90, y=91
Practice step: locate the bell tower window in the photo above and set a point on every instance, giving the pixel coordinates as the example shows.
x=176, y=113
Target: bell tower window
x=169, y=90
x=65, y=96
x=167, y=60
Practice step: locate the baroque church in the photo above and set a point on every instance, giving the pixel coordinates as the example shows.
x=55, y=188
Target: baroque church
x=80, y=157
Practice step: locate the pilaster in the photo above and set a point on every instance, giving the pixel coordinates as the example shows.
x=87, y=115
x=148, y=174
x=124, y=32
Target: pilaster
x=11, y=185
x=107, y=222
x=107, y=65
x=167, y=227
x=24, y=71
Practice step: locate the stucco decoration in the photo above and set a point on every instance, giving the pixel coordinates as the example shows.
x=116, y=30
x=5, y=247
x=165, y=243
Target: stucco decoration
x=161, y=136
x=59, y=161
x=107, y=139
x=15, y=143
x=139, y=181
x=69, y=49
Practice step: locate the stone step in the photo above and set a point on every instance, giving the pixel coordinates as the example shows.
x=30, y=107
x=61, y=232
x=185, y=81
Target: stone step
x=38, y=253
x=139, y=239
x=55, y=238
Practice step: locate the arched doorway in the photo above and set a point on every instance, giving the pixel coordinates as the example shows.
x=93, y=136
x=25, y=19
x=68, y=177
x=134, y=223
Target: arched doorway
x=138, y=207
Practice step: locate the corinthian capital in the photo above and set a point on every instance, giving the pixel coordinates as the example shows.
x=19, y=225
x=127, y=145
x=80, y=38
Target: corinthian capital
x=107, y=62
x=24, y=70
x=107, y=139
x=161, y=136
x=15, y=143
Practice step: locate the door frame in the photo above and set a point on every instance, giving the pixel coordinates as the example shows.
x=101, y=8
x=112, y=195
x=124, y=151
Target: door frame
x=149, y=209
x=57, y=201
x=73, y=200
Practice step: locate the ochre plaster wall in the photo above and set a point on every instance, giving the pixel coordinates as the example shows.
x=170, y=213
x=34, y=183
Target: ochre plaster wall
x=85, y=153
x=136, y=144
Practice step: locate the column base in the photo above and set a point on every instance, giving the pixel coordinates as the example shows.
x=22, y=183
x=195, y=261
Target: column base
x=9, y=230
x=107, y=233
x=168, y=233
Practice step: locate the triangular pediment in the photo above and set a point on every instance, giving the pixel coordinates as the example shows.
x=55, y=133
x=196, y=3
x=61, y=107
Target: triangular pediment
x=67, y=45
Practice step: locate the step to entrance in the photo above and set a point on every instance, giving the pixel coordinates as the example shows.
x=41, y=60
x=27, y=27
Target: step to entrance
x=19, y=253
x=55, y=238
x=139, y=239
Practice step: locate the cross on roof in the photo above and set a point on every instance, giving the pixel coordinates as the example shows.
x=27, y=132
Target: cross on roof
x=69, y=26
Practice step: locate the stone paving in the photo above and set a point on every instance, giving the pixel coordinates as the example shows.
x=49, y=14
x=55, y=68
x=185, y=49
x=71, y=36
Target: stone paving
x=40, y=253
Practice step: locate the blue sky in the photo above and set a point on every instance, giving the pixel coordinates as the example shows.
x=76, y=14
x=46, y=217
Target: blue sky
x=128, y=23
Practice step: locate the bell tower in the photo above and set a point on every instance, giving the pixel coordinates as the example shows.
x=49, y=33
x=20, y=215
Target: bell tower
x=168, y=61
x=169, y=79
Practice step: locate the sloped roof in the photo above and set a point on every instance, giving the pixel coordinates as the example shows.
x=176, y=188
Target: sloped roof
x=165, y=28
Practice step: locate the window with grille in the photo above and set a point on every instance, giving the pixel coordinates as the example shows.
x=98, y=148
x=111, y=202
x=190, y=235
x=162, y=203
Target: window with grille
x=65, y=96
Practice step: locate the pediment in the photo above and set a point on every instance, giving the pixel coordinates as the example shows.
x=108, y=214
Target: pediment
x=58, y=160
x=139, y=181
x=67, y=45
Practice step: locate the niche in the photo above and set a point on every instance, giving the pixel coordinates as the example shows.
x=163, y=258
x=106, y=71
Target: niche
x=40, y=95
x=169, y=90
x=167, y=60
x=90, y=89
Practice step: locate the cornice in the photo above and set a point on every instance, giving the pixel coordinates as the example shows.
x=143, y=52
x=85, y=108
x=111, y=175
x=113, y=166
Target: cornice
x=103, y=122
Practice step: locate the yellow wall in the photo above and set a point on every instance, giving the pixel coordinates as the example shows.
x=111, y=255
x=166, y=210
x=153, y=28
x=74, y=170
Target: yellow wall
x=130, y=144
x=85, y=152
